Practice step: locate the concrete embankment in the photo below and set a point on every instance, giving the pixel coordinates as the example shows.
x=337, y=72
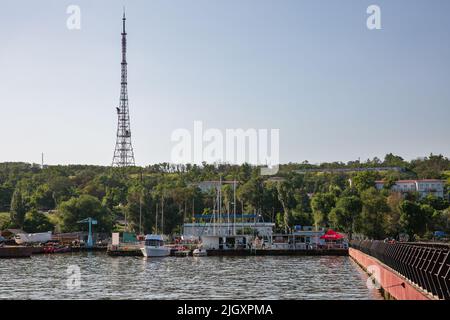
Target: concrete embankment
x=393, y=285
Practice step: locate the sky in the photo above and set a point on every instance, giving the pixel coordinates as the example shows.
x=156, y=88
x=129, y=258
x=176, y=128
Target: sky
x=336, y=90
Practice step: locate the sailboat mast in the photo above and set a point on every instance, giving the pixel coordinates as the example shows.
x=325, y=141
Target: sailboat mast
x=220, y=204
x=234, y=206
x=140, y=207
x=214, y=213
x=162, y=214
x=156, y=222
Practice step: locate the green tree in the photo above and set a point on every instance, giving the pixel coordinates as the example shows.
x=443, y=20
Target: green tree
x=431, y=167
x=139, y=209
x=391, y=160
x=347, y=211
x=364, y=180
x=42, y=198
x=76, y=209
x=436, y=203
x=322, y=204
x=412, y=218
x=250, y=193
x=301, y=218
x=286, y=198
x=61, y=188
x=6, y=192
x=373, y=215
x=18, y=208
x=441, y=221
x=36, y=221
x=392, y=225
x=5, y=220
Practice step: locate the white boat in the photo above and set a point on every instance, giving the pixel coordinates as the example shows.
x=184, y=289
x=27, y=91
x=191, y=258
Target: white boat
x=23, y=238
x=154, y=246
x=199, y=252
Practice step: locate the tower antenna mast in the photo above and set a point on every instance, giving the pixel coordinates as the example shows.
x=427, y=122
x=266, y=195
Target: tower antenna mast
x=123, y=152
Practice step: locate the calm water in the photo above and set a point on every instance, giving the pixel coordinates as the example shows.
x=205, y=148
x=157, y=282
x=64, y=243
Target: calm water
x=104, y=277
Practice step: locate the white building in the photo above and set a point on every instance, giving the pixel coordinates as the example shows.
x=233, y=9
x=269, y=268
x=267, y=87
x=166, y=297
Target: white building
x=424, y=187
x=227, y=236
x=198, y=229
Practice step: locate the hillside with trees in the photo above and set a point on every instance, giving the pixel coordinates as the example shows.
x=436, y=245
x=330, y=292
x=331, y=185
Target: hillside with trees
x=56, y=197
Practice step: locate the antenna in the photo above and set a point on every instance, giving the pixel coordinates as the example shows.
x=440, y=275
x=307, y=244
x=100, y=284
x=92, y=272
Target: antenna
x=123, y=21
x=123, y=152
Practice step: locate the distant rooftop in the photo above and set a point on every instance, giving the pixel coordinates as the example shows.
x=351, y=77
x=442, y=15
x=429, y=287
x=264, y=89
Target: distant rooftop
x=412, y=181
x=335, y=170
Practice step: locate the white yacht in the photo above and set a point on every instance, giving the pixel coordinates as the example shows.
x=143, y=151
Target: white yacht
x=154, y=246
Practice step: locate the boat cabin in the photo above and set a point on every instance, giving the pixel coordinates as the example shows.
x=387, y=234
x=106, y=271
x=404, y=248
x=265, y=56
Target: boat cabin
x=154, y=240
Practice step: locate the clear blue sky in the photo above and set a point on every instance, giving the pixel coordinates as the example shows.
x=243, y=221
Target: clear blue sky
x=336, y=90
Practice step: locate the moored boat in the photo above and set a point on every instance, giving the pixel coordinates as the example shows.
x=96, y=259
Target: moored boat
x=154, y=246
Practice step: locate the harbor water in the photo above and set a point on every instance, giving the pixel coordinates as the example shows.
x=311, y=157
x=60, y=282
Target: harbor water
x=91, y=275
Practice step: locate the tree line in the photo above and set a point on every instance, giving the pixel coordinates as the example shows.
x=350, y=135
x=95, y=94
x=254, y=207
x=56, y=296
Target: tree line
x=57, y=197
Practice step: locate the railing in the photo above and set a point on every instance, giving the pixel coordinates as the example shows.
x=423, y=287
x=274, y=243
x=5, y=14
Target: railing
x=425, y=265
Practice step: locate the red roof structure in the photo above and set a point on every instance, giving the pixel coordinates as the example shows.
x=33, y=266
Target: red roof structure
x=332, y=235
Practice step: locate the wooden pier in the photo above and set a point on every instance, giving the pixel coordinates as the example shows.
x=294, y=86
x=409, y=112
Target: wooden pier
x=124, y=250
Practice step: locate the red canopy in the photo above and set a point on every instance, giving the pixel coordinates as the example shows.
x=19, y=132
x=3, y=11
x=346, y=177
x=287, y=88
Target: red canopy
x=332, y=235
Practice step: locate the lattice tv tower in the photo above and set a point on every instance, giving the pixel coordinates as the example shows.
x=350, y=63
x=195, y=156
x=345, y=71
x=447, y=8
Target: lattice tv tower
x=123, y=153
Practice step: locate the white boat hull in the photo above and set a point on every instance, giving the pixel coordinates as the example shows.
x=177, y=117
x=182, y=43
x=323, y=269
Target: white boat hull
x=149, y=251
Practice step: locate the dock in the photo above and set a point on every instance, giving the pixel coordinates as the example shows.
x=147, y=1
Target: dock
x=124, y=250
x=181, y=253
x=84, y=248
x=16, y=252
x=278, y=252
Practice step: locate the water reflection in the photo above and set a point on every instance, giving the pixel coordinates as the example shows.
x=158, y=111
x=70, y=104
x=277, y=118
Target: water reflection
x=104, y=277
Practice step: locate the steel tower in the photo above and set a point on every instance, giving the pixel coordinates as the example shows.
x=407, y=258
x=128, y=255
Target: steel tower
x=123, y=153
